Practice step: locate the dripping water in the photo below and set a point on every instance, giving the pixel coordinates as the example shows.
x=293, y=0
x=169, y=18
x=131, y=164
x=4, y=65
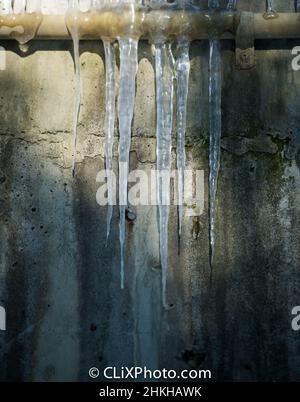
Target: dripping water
x=109, y=125
x=182, y=75
x=164, y=71
x=128, y=70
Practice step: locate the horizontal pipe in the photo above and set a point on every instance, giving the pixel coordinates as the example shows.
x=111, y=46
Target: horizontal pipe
x=283, y=26
x=153, y=25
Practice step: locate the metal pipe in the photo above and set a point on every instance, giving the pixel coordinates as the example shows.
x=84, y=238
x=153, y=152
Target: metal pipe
x=152, y=25
x=283, y=26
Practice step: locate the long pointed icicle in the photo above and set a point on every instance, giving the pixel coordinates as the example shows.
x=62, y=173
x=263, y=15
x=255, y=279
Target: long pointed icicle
x=73, y=8
x=164, y=68
x=182, y=74
x=215, y=128
x=77, y=98
x=110, y=97
x=128, y=70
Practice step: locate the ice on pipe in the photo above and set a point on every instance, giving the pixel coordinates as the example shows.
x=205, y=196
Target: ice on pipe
x=28, y=23
x=182, y=75
x=110, y=100
x=164, y=73
x=128, y=70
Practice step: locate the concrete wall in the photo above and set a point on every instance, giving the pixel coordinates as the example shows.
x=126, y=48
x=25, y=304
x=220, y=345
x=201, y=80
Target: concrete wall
x=60, y=284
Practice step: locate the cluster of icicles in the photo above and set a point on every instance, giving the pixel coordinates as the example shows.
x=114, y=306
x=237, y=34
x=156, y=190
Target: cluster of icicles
x=167, y=70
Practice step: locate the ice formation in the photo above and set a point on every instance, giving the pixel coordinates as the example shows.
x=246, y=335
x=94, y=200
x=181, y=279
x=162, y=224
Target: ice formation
x=215, y=128
x=182, y=75
x=110, y=101
x=128, y=70
x=164, y=71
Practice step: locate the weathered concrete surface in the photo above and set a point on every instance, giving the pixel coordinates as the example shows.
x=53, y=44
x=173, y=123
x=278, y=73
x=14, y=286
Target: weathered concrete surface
x=60, y=285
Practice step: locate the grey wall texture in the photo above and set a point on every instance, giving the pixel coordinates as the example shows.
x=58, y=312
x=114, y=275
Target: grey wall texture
x=60, y=285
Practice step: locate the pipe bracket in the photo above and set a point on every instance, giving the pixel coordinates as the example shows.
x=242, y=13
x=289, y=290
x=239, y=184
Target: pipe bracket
x=245, y=51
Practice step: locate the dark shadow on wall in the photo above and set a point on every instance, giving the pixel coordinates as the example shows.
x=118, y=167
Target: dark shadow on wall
x=23, y=283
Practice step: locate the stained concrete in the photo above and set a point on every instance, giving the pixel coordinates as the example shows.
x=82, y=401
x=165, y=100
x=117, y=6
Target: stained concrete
x=60, y=284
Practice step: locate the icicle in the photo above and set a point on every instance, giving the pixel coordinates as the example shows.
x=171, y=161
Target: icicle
x=215, y=128
x=28, y=22
x=297, y=6
x=269, y=5
x=128, y=70
x=74, y=7
x=164, y=68
x=109, y=125
x=231, y=4
x=182, y=74
x=77, y=97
